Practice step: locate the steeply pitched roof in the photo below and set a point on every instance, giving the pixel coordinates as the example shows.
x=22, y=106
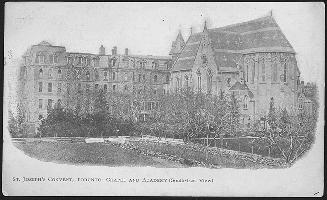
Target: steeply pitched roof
x=44, y=43
x=175, y=45
x=241, y=87
x=230, y=42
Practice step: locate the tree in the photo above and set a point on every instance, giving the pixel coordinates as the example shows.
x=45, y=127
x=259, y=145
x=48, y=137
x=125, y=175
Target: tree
x=272, y=118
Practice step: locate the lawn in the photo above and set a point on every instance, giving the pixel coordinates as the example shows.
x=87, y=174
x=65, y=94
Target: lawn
x=90, y=154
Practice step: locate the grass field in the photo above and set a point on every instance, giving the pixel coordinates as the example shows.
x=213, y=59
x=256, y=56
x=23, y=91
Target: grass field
x=90, y=154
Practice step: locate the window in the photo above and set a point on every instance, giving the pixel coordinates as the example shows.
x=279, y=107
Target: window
x=105, y=87
x=285, y=73
x=133, y=76
x=96, y=86
x=155, y=78
x=87, y=88
x=40, y=117
x=126, y=88
x=199, y=80
x=79, y=61
x=114, y=87
x=126, y=76
x=105, y=74
x=246, y=100
x=263, y=71
x=50, y=73
x=113, y=75
x=209, y=81
x=40, y=58
x=140, y=77
x=88, y=75
x=78, y=74
x=96, y=74
x=167, y=78
x=40, y=103
x=154, y=91
x=87, y=62
x=40, y=73
x=79, y=87
x=204, y=59
x=59, y=73
x=186, y=81
x=274, y=72
x=253, y=73
x=59, y=103
x=144, y=77
x=59, y=87
x=55, y=58
x=50, y=101
x=40, y=86
x=247, y=73
x=49, y=87
x=228, y=82
x=51, y=59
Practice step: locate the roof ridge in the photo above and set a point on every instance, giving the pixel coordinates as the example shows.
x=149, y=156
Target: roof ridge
x=242, y=23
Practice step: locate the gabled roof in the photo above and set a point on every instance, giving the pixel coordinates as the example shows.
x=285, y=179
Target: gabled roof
x=241, y=87
x=179, y=40
x=230, y=42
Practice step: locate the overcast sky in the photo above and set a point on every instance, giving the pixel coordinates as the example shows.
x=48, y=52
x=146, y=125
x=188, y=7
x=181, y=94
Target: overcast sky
x=149, y=28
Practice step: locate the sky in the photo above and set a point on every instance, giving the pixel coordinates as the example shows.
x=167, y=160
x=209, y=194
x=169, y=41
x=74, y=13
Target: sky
x=150, y=28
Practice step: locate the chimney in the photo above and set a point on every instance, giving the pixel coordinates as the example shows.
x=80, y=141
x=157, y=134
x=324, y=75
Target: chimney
x=102, y=50
x=126, y=51
x=114, y=51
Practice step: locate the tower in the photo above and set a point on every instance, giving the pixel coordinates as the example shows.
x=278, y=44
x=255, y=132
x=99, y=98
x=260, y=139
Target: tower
x=177, y=46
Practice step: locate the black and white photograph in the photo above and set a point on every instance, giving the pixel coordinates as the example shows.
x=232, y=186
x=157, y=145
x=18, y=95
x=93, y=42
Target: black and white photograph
x=163, y=99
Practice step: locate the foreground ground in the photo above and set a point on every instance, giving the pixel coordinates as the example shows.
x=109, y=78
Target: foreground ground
x=90, y=154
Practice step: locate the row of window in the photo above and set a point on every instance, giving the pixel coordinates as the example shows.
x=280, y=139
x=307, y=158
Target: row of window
x=274, y=72
x=49, y=103
x=50, y=73
x=41, y=58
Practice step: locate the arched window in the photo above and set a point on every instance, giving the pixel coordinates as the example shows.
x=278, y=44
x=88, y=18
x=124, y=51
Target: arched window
x=209, y=81
x=59, y=103
x=155, y=78
x=199, y=80
x=204, y=59
x=253, y=73
x=50, y=73
x=51, y=59
x=245, y=103
x=96, y=74
x=41, y=72
x=59, y=73
x=40, y=58
x=247, y=73
x=186, y=81
x=105, y=87
x=285, y=73
x=55, y=58
x=87, y=75
x=274, y=72
x=263, y=71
